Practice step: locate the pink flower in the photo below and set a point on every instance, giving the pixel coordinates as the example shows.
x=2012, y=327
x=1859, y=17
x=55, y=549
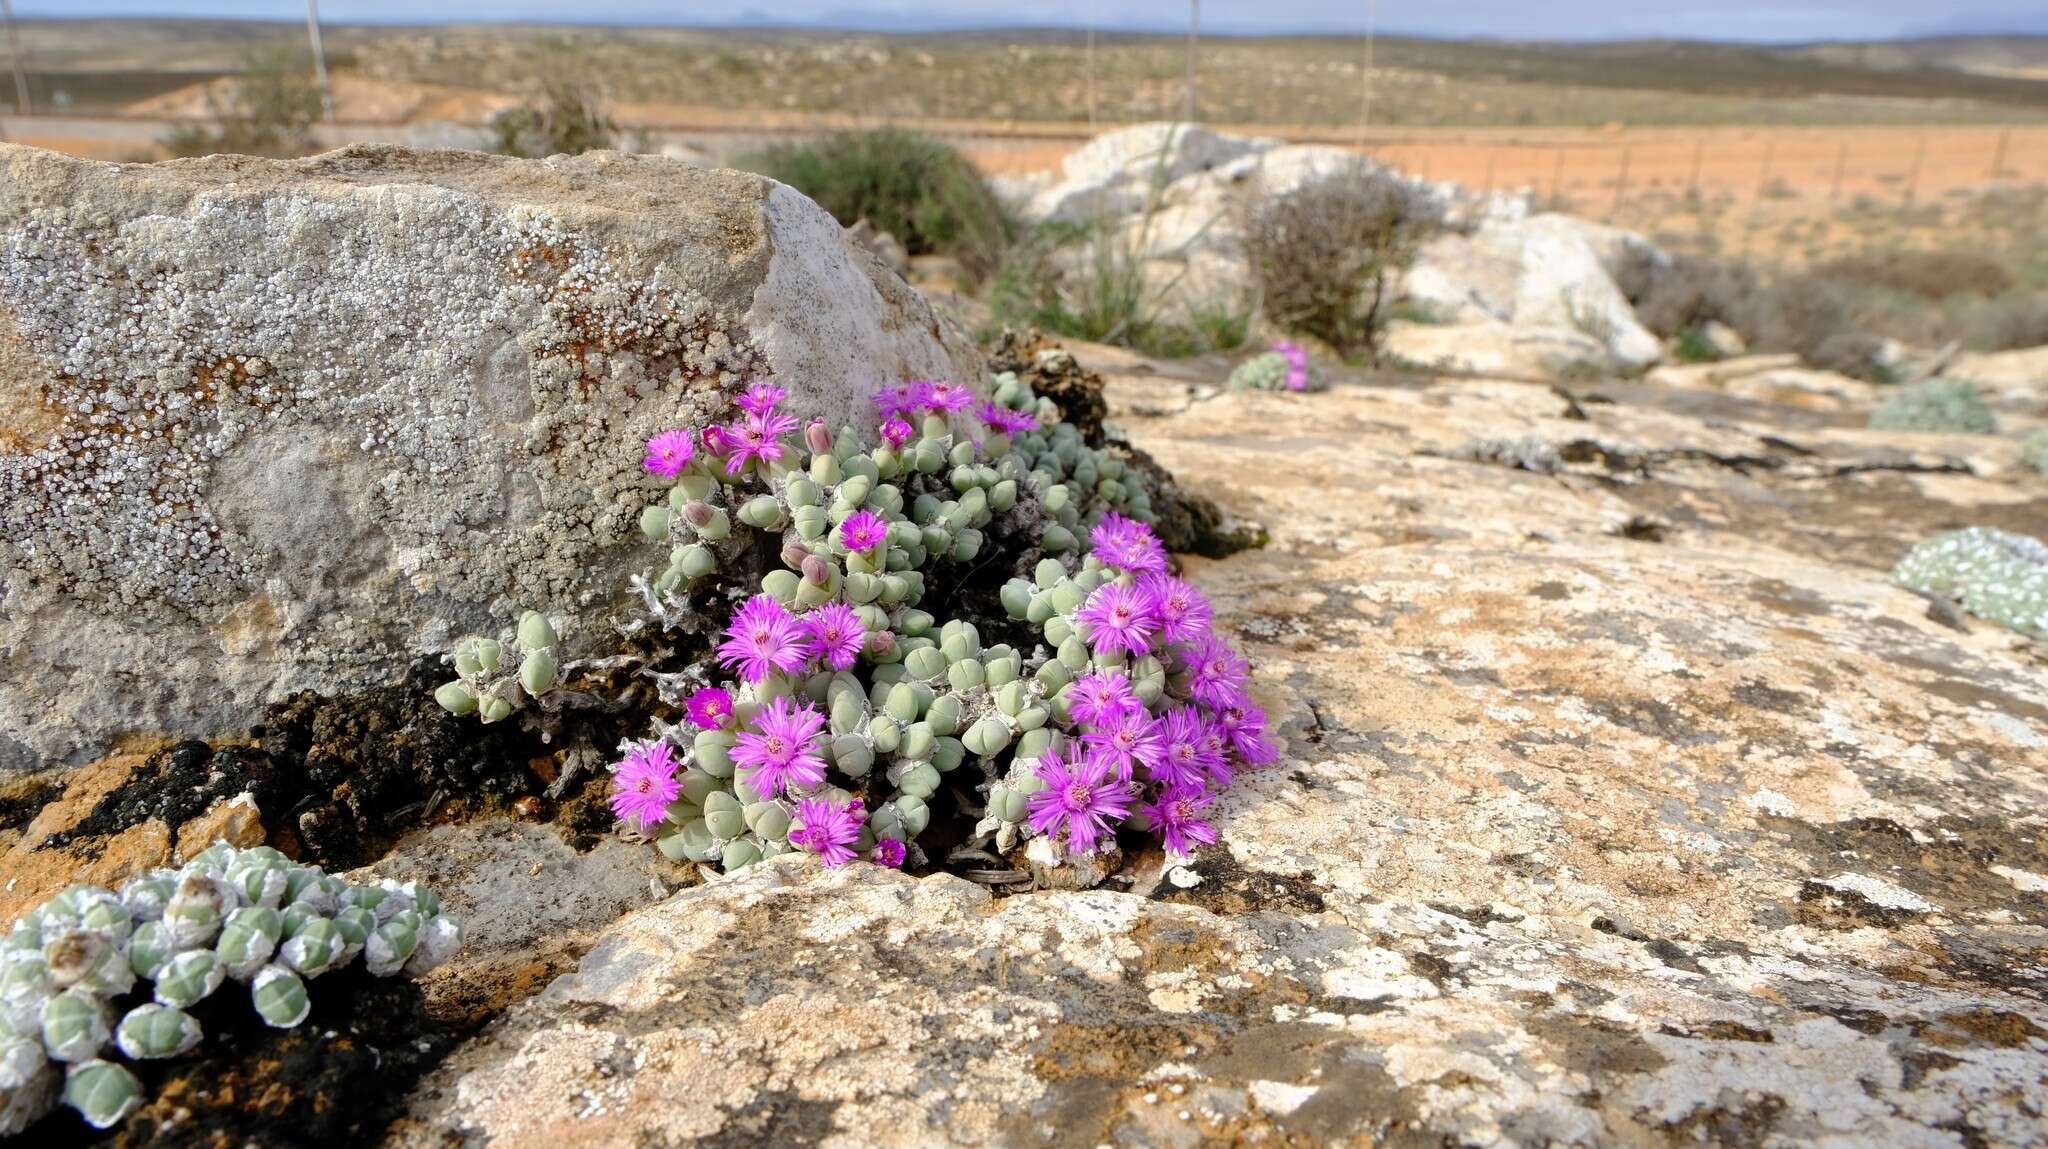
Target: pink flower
x=1185, y=757
x=897, y=431
x=1080, y=800
x=761, y=399
x=1101, y=696
x=1001, y=418
x=1297, y=379
x=1292, y=352
x=756, y=437
x=1130, y=739
x=1120, y=619
x=1216, y=673
x=894, y=402
x=644, y=785
x=828, y=830
x=709, y=708
x=668, y=453
x=1216, y=751
x=834, y=634
x=887, y=852
x=1184, y=615
x=1245, y=725
x=942, y=396
x=762, y=638
x=1177, y=814
x=863, y=531
x=1127, y=544
x=782, y=749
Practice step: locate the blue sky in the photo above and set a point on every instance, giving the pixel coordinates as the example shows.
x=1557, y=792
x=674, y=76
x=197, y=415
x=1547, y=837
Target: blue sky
x=1544, y=19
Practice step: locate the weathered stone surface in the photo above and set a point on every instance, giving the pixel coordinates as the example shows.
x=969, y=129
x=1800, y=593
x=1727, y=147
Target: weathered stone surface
x=1623, y=804
x=269, y=426
x=1118, y=173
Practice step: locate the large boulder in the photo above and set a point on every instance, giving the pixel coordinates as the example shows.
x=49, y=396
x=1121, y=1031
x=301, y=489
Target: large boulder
x=270, y=426
x=1548, y=270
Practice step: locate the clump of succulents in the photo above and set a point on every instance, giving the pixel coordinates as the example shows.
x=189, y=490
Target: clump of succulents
x=2034, y=451
x=880, y=659
x=1995, y=575
x=1939, y=405
x=74, y=971
x=1285, y=368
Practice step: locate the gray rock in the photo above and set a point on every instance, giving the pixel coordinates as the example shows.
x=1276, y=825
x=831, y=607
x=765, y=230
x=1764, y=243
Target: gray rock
x=269, y=426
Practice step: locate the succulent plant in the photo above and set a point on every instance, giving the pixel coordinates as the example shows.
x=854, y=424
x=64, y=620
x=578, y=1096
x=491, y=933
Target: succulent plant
x=93, y=973
x=838, y=704
x=1995, y=575
x=1285, y=368
x=1938, y=405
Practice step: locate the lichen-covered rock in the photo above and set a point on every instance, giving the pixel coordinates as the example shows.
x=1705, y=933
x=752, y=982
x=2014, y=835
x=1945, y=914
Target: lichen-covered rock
x=1996, y=575
x=1939, y=406
x=1581, y=839
x=270, y=426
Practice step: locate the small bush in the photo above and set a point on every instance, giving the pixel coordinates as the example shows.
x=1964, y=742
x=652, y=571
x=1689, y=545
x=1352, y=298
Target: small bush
x=915, y=187
x=2034, y=451
x=1323, y=255
x=1938, y=405
x=1926, y=274
x=1684, y=292
x=567, y=118
x=267, y=110
x=1694, y=347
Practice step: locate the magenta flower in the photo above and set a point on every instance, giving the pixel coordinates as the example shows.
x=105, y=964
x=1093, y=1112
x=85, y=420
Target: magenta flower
x=644, y=785
x=1185, y=756
x=1130, y=739
x=1001, y=418
x=863, y=531
x=887, y=852
x=1079, y=800
x=668, y=453
x=1216, y=673
x=755, y=437
x=834, y=635
x=1127, y=544
x=942, y=396
x=1184, y=615
x=1177, y=814
x=828, y=830
x=896, y=431
x=1120, y=619
x=1292, y=352
x=894, y=402
x=782, y=749
x=709, y=708
x=761, y=399
x=762, y=638
x=1101, y=696
x=1245, y=725
x=1216, y=750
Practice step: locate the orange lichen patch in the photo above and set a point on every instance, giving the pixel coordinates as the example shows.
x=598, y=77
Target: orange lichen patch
x=29, y=876
x=27, y=419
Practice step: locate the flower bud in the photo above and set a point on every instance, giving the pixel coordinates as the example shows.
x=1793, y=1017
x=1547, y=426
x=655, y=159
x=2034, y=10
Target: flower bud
x=816, y=570
x=818, y=437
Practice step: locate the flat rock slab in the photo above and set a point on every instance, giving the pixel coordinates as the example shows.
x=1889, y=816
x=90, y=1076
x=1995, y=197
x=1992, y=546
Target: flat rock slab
x=276, y=426
x=1580, y=838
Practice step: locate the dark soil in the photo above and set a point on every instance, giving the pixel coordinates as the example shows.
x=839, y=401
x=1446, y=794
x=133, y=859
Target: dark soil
x=339, y=1078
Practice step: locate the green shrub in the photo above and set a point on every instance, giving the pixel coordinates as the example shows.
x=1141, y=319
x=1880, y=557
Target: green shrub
x=1694, y=347
x=1322, y=256
x=2034, y=451
x=1938, y=405
x=566, y=119
x=915, y=187
x=1926, y=274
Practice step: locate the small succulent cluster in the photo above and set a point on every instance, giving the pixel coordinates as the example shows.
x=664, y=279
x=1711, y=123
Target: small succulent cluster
x=837, y=703
x=493, y=681
x=72, y=970
x=1285, y=368
x=1996, y=575
x=2034, y=451
x=1949, y=406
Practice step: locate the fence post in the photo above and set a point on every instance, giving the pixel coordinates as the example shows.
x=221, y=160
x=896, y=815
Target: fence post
x=1491, y=155
x=21, y=101
x=1998, y=154
x=1557, y=178
x=1913, y=173
x=1763, y=175
x=1841, y=162
x=1692, y=182
x=1620, y=183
